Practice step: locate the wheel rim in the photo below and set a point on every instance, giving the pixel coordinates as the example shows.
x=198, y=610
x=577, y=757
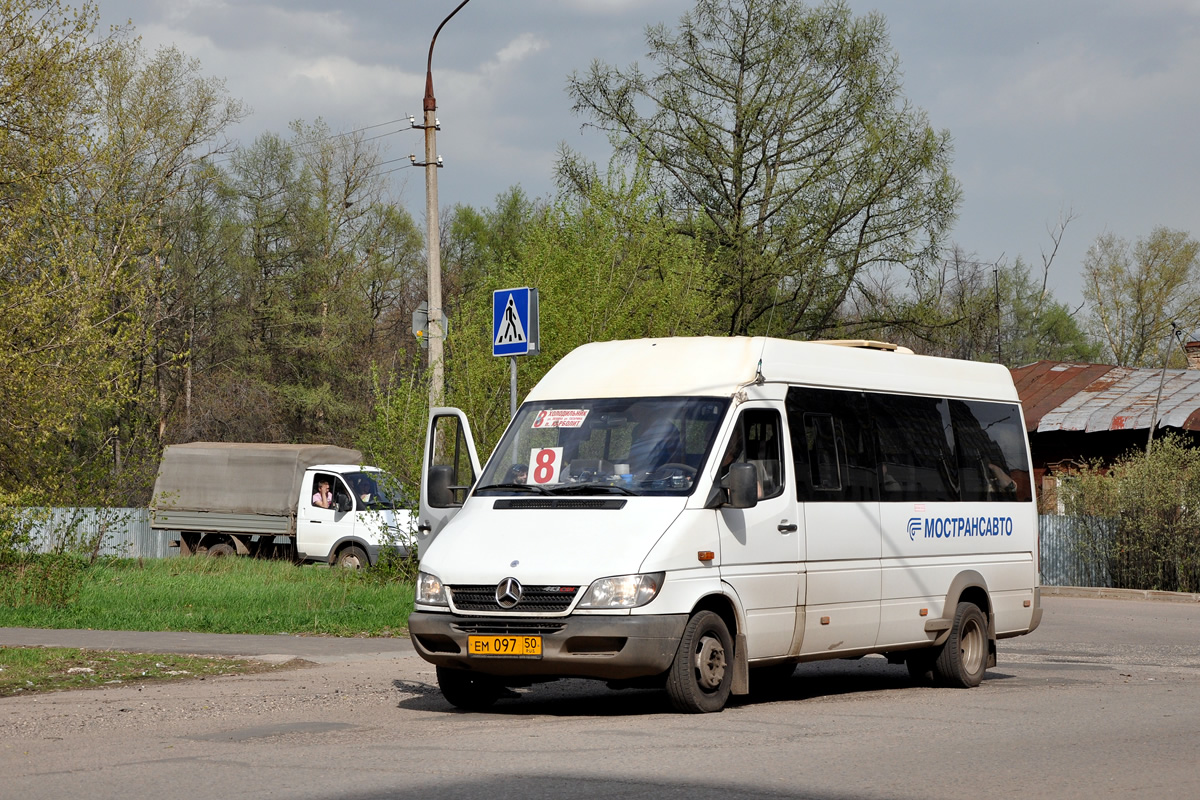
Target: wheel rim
x=351, y=562
x=710, y=663
x=972, y=646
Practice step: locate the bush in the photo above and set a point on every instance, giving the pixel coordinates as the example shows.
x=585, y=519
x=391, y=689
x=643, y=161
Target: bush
x=1144, y=516
x=43, y=554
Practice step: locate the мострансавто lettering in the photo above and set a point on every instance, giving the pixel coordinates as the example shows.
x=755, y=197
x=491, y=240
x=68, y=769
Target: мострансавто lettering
x=954, y=527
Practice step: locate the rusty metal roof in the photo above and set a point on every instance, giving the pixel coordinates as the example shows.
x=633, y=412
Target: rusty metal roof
x=1065, y=396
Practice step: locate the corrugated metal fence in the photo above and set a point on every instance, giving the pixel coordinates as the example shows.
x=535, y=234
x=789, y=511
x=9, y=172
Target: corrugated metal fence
x=123, y=532
x=1071, y=552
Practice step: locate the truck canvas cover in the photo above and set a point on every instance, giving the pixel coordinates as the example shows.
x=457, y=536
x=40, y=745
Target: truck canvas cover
x=239, y=478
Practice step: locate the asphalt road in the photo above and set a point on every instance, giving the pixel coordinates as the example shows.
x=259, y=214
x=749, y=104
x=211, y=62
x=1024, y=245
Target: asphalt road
x=1103, y=701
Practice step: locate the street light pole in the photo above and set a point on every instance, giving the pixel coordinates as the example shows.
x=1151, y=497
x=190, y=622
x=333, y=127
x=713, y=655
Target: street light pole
x=437, y=329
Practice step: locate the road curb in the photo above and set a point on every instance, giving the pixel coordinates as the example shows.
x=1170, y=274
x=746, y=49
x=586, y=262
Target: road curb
x=1120, y=594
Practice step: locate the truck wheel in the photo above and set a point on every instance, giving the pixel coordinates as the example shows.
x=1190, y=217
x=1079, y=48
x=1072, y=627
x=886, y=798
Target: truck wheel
x=964, y=655
x=467, y=690
x=221, y=550
x=699, y=679
x=352, y=558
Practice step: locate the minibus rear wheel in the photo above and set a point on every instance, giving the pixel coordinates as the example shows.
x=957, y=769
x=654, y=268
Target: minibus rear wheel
x=964, y=656
x=467, y=690
x=701, y=675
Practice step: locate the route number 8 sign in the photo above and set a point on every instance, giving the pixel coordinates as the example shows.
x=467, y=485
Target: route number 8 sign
x=544, y=464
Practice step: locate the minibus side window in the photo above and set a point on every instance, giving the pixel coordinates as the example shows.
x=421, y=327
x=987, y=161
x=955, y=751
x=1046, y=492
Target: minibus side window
x=756, y=440
x=450, y=455
x=824, y=468
x=832, y=446
x=916, y=448
x=992, y=458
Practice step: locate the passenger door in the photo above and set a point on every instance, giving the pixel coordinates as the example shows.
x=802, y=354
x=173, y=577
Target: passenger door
x=318, y=528
x=834, y=456
x=761, y=547
x=448, y=471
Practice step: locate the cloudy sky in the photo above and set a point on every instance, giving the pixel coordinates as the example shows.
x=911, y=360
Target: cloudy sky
x=1082, y=107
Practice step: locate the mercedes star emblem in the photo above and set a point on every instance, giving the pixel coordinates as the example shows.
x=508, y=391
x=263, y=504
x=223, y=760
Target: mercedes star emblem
x=508, y=592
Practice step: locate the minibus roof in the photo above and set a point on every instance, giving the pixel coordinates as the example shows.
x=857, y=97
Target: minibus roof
x=716, y=366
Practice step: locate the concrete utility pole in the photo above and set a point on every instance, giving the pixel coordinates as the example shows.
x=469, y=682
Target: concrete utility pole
x=437, y=328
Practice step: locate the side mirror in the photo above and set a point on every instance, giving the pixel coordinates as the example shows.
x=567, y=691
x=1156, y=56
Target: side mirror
x=742, y=486
x=440, y=493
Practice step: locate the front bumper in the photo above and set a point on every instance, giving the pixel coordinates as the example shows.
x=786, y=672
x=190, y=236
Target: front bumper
x=578, y=646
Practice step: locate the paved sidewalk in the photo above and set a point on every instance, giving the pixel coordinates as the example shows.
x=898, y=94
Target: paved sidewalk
x=1120, y=594
x=320, y=649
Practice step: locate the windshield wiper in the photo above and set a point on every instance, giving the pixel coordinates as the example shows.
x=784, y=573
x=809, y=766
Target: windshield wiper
x=525, y=487
x=585, y=488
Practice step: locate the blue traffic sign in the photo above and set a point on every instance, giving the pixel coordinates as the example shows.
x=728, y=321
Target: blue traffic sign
x=515, y=322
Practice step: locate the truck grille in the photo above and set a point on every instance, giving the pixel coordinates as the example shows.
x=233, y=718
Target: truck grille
x=534, y=599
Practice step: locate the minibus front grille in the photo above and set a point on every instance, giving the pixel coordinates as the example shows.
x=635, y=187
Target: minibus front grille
x=509, y=627
x=534, y=599
x=576, y=503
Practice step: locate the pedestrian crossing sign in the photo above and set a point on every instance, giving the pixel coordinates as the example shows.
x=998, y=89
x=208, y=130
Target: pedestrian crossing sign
x=515, y=322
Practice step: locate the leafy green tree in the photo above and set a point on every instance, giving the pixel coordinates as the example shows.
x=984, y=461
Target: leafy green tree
x=1135, y=292
x=157, y=119
x=972, y=309
x=312, y=283
x=606, y=265
x=59, y=333
x=780, y=139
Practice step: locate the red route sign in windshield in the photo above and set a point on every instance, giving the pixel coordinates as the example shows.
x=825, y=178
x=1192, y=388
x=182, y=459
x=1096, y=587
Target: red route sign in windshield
x=560, y=418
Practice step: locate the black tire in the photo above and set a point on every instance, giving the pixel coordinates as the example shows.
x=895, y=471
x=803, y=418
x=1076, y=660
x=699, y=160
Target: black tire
x=352, y=557
x=221, y=550
x=467, y=690
x=699, y=679
x=963, y=658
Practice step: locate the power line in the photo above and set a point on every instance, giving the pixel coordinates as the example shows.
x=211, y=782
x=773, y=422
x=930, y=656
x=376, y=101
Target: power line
x=229, y=157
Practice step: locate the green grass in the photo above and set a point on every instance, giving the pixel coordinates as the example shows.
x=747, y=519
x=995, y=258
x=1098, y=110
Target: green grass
x=227, y=595
x=25, y=670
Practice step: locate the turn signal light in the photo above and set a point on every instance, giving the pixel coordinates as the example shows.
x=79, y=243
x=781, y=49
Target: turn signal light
x=706, y=555
x=824, y=620
x=924, y=612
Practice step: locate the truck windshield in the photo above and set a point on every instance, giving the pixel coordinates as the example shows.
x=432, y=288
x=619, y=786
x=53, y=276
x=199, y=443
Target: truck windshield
x=374, y=489
x=624, y=446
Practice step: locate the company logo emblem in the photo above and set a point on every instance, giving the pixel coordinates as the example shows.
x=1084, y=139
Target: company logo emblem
x=508, y=592
x=914, y=527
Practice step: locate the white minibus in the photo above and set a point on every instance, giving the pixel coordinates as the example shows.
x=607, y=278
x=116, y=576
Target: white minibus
x=702, y=514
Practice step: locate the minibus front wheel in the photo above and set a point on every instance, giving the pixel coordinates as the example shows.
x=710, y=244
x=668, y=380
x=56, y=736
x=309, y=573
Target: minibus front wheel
x=700, y=678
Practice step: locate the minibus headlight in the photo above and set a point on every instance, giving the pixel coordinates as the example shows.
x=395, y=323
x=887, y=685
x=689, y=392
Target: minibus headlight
x=430, y=591
x=623, y=591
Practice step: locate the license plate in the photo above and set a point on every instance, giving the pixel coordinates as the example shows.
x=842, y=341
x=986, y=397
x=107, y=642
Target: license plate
x=504, y=645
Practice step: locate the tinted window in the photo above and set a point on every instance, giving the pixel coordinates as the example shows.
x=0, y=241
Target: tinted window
x=992, y=459
x=916, y=448
x=832, y=447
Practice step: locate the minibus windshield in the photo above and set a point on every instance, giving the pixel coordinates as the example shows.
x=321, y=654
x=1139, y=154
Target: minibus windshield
x=609, y=446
